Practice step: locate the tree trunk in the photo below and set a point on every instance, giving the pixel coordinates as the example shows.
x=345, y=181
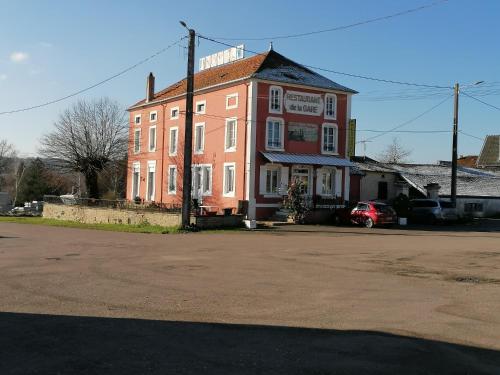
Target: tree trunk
x=91, y=183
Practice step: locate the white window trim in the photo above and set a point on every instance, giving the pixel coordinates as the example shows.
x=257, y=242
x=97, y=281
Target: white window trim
x=153, y=113
x=208, y=193
x=230, y=96
x=334, y=117
x=282, y=135
x=149, y=138
x=135, y=120
x=270, y=167
x=140, y=134
x=199, y=125
x=280, y=89
x=149, y=164
x=331, y=125
x=320, y=172
x=172, y=117
x=231, y=149
x=176, y=128
x=170, y=169
x=204, y=102
x=232, y=193
x=136, y=165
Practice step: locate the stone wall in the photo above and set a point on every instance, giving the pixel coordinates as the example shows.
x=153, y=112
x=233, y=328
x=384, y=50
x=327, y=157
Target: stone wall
x=97, y=215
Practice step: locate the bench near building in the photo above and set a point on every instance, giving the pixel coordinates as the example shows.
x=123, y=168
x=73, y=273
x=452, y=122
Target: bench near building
x=259, y=123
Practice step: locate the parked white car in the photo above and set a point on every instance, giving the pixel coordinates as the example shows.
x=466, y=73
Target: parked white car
x=432, y=211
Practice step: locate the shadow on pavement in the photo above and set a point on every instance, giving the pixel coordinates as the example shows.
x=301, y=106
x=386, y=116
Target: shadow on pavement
x=51, y=344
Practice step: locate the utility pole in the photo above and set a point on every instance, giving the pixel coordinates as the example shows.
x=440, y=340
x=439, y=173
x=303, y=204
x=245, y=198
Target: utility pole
x=454, y=149
x=188, y=133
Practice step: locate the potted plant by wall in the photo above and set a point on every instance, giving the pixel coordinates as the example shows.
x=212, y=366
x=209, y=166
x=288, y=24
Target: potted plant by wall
x=137, y=200
x=402, y=206
x=295, y=201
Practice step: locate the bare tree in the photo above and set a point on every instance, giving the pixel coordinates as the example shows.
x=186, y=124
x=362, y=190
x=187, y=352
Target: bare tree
x=87, y=138
x=8, y=156
x=394, y=153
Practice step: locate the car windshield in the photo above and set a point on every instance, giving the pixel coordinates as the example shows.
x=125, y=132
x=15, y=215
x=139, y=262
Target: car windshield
x=446, y=204
x=424, y=203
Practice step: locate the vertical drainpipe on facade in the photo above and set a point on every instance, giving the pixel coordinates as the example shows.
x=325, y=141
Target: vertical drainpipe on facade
x=162, y=149
x=245, y=161
x=251, y=123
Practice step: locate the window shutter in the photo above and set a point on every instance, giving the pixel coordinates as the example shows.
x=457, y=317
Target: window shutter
x=262, y=180
x=319, y=180
x=284, y=181
x=338, y=183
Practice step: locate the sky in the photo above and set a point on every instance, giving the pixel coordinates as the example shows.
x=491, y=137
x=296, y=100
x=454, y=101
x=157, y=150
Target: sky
x=51, y=49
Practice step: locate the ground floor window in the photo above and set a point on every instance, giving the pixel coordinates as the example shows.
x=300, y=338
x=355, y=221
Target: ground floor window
x=229, y=177
x=136, y=179
x=150, y=191
x=273, y=180
x=201, y=180
x=302, y=174
x=326, y=181
x=172, y=179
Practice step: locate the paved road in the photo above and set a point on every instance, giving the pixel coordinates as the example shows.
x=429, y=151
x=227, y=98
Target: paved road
x=314, y=300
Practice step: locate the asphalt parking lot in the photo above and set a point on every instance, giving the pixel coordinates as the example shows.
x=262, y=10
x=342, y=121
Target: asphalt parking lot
x=299, y=300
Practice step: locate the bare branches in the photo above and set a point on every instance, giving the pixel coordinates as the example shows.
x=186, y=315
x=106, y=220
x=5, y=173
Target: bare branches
x=395, y=153
x=87, y=137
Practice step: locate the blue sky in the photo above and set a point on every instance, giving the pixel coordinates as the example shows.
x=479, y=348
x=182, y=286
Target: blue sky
x=52, y=48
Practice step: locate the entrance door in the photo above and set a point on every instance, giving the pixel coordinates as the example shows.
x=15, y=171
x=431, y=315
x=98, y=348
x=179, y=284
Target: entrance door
x=303, y=174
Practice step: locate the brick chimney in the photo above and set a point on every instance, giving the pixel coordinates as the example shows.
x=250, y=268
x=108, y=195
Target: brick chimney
x=150, y=87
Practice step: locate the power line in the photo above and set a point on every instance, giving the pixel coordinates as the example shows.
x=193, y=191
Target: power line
x=480, y=101
x=470, y=135
x=338, y=72
x=96, y=84
x=409, y=121
x=343, y=27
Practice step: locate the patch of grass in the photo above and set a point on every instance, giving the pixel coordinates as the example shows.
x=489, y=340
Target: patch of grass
x=142, y=228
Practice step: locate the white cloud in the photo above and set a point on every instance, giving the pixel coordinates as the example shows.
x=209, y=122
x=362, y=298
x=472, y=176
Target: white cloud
x=3, y=77
x=18, y=57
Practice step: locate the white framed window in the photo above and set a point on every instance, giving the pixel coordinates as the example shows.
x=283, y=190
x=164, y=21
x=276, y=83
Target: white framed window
x=201, y=180
x=229, y=179
x=232, y=101
x=137, y=141
x=331, y=106
x=329, y=136
x=136, y=180
x=325, y=183
x=201, y=107
x=174, y=113
x=137, y=119
x=303, y=173
x=199, y=138
x=172, y=141
x=274, y=134
x=152, y=138
x=230, y=135
x=172, y=180
x=273, y=180
x=153, y=116
x=151, y=180
x=275, y=99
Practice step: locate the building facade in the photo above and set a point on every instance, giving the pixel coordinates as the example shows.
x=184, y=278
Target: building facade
x=259, y=124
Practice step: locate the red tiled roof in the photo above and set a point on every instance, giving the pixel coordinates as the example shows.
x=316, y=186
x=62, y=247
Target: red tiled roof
x=467, y=161
x=214, y=76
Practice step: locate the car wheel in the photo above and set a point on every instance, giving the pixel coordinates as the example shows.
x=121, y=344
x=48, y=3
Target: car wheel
x=369, y=223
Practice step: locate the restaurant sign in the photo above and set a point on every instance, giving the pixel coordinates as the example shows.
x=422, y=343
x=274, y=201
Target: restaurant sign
x=302, y=132
x=303, y=103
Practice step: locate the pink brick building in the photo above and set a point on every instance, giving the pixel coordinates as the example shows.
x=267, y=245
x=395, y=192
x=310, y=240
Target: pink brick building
x=259, y=123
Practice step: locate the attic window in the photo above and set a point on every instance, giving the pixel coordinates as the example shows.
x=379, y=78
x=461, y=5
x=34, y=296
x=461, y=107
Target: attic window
x=291, y=76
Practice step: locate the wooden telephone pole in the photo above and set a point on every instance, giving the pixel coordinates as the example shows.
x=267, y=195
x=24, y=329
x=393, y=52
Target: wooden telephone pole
x=188, y=133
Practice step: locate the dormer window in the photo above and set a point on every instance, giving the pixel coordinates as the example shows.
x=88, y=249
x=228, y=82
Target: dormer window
x=275, y=99
x=331, y=106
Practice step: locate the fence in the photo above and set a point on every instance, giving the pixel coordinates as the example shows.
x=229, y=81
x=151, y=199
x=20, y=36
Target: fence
x=121, y=204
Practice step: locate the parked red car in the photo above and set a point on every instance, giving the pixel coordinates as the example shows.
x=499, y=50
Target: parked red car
x=370, y=214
